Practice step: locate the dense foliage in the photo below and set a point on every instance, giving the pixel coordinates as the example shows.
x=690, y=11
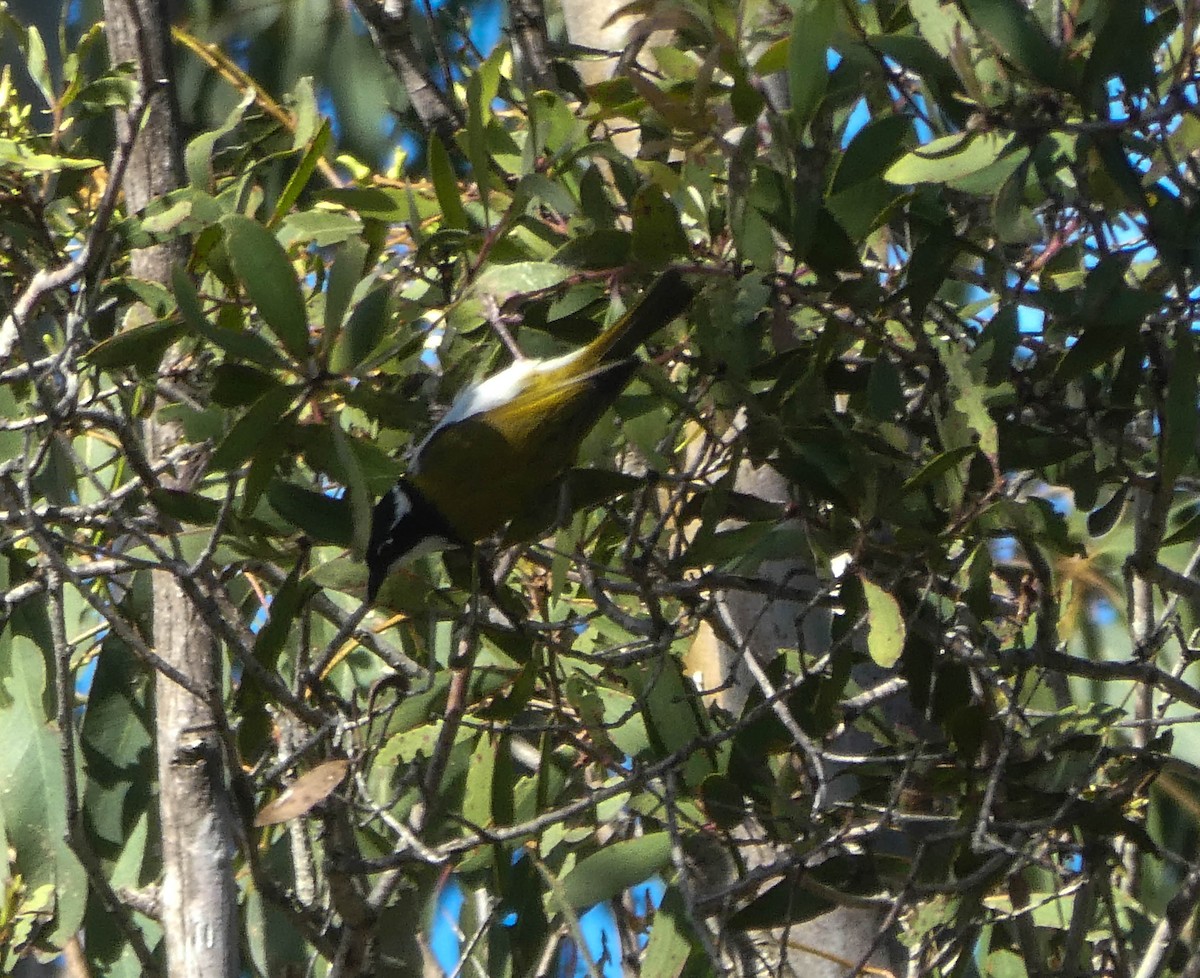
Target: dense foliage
x=921, y=459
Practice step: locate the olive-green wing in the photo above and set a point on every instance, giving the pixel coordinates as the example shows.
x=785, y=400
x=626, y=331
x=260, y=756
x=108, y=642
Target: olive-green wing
x=482, y=471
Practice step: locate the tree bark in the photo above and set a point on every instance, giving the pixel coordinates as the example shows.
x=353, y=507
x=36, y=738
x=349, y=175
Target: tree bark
x=528, y=20
x=599, y=25
x=198, y=895
x=391, y=29
x=829, y=945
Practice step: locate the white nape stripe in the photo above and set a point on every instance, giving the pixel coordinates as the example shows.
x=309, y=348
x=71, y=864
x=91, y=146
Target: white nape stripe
x=401, y=504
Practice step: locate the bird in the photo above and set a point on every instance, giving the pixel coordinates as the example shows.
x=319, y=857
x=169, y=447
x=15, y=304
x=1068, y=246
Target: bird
x=508, y=437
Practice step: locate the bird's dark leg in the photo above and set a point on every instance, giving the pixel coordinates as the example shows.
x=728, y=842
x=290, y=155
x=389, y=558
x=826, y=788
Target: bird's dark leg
x=468, y=630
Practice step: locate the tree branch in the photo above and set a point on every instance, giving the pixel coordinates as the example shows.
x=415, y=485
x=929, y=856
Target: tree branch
x=391, y=30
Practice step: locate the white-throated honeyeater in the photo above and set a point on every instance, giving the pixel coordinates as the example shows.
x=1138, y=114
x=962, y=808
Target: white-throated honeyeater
x=508, y=437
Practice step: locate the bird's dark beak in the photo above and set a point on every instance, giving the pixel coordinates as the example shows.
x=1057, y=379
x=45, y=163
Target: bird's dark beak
x=376, y=575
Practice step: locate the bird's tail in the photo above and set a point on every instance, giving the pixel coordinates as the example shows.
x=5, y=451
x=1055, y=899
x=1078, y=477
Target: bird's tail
x=667, y=298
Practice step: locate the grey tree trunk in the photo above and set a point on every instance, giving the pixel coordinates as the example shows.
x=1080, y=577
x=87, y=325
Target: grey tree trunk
x=594, y=24
x=198, y=895
x=828, y=946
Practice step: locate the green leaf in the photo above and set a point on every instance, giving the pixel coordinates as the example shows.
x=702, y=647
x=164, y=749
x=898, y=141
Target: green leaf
x=773, y=58
x=594, y=200
x=951, y=157
x=555, y=195
x=618, y=866
x=477, y=797
x=187, y=507
x=361, y=500
x=971, y=395
x=240, y=344
x=375, y=203
x=107, y=92
x=942, y=30
x=885, y=625
x=724, y=802
x=253, y=427
x=286, y=604
x=1005, y=963
x=307, y=113
x=181, y=212
x=273, y=943
x=38, y=64
x=605, y=248
x=344, y=276
x=658, y=235
x=199, y=152
x=141, y=347
x=262, y=469
x=1015, y=220
x=19, y=156
x=1019, y=38
x=239, y=384
x=1098, y=344
x=324, y=518
x=1102, y=519
x=107, y=944
x=885, y=395
x=872, y=150
x=673, y=714
x=502, y=282
x=1187, y=526
x=1179, y=414
x=937, y=467
x=671, y=939
x=116, y=738
x=267, y=276
x=303, y=173
x=482, y=87
x=445, y=186
x=33, y=804
x=930, y=265
x=320, y=227
x=363, y=331
x=808, y=70
x=1121, y=48
x=754, y=240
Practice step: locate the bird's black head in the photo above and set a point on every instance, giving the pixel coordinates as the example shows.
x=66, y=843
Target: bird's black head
x=405, y=524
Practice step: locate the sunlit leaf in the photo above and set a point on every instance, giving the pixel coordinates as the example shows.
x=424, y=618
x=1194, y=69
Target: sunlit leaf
x=619, y=865
x=885, y=624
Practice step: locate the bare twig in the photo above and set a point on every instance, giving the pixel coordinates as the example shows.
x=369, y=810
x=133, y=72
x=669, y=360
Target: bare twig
x=1180, y=910
x=52, y=552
